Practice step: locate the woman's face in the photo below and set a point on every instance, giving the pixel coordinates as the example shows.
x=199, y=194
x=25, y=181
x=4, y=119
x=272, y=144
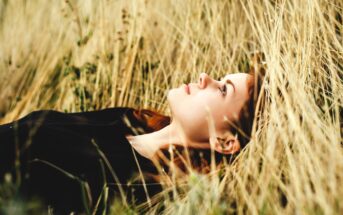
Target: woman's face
x=191, y=105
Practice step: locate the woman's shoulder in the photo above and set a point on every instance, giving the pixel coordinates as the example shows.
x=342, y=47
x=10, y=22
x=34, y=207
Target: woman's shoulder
x=106, y=113
x=119, y=116
x=137, y=120
x=143, y=120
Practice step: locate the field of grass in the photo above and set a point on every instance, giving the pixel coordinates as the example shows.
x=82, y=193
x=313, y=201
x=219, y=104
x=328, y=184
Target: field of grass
x=71, y=55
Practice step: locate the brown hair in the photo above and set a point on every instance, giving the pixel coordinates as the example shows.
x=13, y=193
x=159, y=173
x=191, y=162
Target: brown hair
x=199, y=159
x=243, y=126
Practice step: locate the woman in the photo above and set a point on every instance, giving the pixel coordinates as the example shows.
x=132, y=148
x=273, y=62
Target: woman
x=71, y=161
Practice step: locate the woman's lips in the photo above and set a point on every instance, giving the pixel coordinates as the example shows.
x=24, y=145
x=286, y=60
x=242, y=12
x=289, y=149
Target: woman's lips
x=187, y=89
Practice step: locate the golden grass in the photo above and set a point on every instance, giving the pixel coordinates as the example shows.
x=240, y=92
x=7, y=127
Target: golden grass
x=85, y=55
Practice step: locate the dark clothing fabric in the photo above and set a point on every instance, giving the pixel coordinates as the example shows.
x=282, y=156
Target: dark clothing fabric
x=63, y=156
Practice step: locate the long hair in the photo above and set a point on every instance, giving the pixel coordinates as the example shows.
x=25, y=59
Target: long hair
x=200, y=159
x=244, y=125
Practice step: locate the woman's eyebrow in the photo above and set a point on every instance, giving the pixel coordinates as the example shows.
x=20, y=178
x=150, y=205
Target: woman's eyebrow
x=228, y=81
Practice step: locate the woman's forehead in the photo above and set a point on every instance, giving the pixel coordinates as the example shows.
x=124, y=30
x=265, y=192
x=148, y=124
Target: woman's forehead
x=243, y=81
x=238, y=76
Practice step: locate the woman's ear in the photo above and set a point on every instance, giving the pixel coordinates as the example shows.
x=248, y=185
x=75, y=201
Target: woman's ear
x=228, y=145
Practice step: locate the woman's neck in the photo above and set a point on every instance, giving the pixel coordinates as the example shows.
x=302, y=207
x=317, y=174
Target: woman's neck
x=148, y=144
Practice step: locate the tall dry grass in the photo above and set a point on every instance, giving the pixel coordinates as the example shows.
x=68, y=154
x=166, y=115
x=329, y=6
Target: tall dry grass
x=85, y=55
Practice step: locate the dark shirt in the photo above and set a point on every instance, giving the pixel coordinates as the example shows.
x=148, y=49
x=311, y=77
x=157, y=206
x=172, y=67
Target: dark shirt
x=66, y=159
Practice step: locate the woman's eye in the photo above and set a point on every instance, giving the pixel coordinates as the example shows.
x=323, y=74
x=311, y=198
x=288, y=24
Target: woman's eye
x=223, y=89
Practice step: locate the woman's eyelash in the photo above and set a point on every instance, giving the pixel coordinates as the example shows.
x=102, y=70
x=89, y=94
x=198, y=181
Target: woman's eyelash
x=223, y=89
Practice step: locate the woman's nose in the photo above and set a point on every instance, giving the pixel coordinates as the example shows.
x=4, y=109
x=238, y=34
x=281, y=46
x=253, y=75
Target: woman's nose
x=203, y=80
